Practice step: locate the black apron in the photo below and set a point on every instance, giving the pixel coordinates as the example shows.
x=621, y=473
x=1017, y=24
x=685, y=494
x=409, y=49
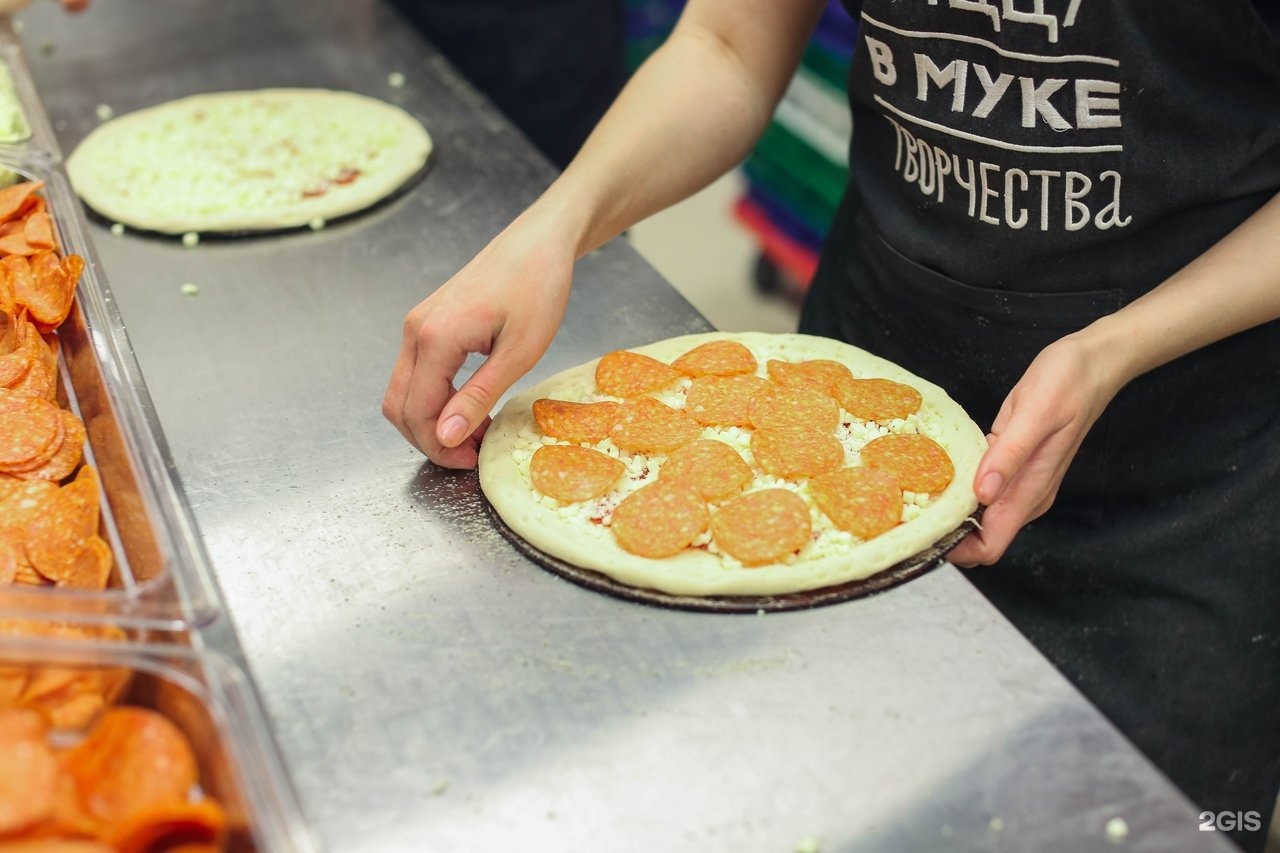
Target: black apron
x=1015, y=176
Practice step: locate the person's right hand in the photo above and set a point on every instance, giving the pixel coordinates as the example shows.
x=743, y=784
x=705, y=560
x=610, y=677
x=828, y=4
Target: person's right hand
x=507, y=303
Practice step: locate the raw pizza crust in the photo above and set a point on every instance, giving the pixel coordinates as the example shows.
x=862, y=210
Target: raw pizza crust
x=247, y=161
x=566, y=533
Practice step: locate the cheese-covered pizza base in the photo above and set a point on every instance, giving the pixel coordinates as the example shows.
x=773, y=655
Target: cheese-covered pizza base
x=246, y=161
x=579, y=534
x=13, y=121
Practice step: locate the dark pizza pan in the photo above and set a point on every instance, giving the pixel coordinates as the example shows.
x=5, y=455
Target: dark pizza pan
x=895, y=575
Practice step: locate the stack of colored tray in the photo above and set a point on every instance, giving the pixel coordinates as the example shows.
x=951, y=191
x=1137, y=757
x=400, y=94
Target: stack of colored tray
x=648, y=23
x=799, y=168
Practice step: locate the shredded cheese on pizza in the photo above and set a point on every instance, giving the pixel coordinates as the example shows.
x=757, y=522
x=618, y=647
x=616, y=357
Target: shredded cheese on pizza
x=826, y=539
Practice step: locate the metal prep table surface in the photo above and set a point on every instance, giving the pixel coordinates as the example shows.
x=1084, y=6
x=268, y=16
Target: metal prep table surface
x=431, y=689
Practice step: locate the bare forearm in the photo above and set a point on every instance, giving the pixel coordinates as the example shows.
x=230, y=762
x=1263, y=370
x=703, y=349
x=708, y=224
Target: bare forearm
x=1233, y=286
x=688, y=115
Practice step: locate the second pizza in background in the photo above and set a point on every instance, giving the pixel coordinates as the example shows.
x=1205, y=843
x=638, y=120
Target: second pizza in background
x=248, y=161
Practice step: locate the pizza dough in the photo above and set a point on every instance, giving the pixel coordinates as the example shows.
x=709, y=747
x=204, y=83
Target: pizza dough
x=579, y=533
x=13, y=121
x=247, y=161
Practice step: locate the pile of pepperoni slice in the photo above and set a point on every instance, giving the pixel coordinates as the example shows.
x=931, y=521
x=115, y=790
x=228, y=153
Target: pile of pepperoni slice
x=33, y=276
x=49, y=500
x=702, y=486
x=131, y=784
x=67, y=697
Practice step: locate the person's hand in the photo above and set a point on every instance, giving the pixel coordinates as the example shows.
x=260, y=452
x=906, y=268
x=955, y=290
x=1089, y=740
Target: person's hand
x=8, y=7
x=507, y=304
x=1033, y=440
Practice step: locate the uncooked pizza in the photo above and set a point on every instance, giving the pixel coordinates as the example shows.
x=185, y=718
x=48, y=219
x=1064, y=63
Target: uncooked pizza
x=248, y=161
x=733, y=465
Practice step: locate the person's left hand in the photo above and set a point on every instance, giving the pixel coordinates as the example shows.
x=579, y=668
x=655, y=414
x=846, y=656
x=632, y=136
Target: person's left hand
x=1033, y=440
x=8, y=7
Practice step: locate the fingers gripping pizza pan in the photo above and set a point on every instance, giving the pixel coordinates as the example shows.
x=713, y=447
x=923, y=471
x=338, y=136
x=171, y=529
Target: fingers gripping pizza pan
x=734, y=472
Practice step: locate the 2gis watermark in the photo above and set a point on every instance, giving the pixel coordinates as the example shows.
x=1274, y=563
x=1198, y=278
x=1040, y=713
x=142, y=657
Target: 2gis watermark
x=1230, y=821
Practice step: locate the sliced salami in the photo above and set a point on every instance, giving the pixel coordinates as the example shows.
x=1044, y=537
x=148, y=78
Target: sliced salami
x=647, y=426
x=717, y=358
x=782, y=406
x=91, y=568
x=714, y=469
x=21, y=504
x=825, y=376
x=571, y=474
x=576, y=422
x=723, y=400
x=30, y=784
x=9, y=485
x=793, y=453
x=660, y=519
x=862, y=501
x=628, y=374
x=64, y=462
x=40, y=382
x=762, y=527
x=41, y=459
x=917, y=462
x=13, y=368
x=14, y=197
x=29, y=426
x=878, y=399
x=66, y=520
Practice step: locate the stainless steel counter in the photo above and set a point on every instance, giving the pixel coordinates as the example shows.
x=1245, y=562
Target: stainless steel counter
x=430, y=689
